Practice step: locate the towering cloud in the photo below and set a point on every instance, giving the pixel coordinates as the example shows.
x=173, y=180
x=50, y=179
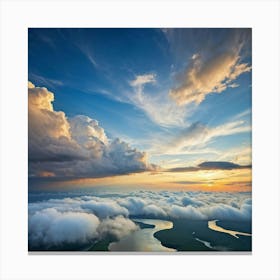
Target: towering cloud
x=49, y=137
x=59, y=146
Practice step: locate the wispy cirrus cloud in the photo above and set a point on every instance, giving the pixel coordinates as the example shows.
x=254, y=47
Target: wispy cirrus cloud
x=212, y=65
x=49, y=82
x=204, y=76
x=241, y=155
x=213, y=69
x=194, y=138
x=141, y=80
x=157, y=106
x=88, y=53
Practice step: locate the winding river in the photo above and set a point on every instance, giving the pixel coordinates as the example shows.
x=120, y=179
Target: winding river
x=213, y=225
x=143, y=240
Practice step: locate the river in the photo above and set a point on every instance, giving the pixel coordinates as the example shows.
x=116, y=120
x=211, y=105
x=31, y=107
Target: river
x=143, y=240
x=212, y=225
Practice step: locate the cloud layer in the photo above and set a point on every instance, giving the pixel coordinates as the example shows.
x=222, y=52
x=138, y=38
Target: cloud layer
x=64, y=147
x=80, y=219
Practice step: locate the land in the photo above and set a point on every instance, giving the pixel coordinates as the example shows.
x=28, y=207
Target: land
x=182, y=236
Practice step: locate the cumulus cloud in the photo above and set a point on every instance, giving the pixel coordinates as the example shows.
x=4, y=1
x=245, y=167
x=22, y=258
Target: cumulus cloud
x=49, y=137
x=85, y=130
x=187, y=200
x=138, y=206
x=78, y=146
x=51, y=227
x=105, y=209
x=227, y=212
x=211, y=72
x=188, y=212
x=117, y=227
x=150, y=204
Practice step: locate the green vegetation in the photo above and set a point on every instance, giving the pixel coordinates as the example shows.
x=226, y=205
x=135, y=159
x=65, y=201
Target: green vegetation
x=182, y=237
x=101, y=245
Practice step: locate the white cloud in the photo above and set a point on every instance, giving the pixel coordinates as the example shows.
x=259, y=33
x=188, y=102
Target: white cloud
x=211, y=76
x=81, y=219
x=104, y=209
x=84, y=130
x=30, y=85
x=227, y=212
x=76, y=147
x=45, y=81
x=211, y=71
x=49, y=135
x=157, y=106
x=50, y=227
x=193, y=139
x=240, y=155
x=117, y=227
x=187, y=212
x=141, y=80
x=87, y=52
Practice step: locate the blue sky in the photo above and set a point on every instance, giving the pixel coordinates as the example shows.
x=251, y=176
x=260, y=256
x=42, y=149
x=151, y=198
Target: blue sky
x=183, y=96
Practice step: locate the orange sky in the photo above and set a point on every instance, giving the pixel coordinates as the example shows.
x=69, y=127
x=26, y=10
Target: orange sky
x=202, y=180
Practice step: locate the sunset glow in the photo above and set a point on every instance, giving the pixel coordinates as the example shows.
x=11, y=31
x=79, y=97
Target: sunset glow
x=131, y=123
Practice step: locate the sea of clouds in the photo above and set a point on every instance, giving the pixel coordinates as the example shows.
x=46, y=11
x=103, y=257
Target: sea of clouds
x=83, y=218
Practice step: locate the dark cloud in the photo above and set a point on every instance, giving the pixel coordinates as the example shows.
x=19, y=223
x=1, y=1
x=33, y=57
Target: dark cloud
x=240, y=183
x=224, y=165
x=76, y=147
x=211, y=165
x=183, y=169
x=188, y=182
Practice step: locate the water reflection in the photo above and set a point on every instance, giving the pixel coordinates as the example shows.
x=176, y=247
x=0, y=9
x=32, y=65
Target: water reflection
x=212, y=225
x=143, y=240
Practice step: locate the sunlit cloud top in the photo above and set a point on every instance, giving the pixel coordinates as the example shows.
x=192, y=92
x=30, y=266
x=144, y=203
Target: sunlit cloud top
x=110, y=102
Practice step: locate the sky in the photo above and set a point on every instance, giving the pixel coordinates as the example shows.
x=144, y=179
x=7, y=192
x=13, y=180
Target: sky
x=140, y=108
